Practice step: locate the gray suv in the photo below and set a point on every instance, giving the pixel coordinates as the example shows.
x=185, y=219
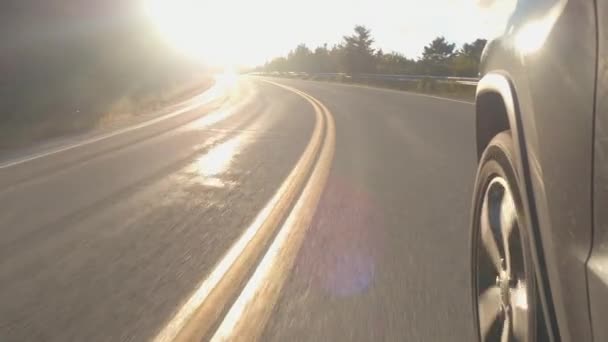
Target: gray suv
x=539, y=233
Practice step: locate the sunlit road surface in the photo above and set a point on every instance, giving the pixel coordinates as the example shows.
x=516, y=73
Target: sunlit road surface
x=114, y=237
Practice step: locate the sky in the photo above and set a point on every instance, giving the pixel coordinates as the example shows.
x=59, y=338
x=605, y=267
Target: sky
x=249, y=33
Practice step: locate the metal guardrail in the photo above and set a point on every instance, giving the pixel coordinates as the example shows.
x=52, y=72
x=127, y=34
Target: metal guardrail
x=470, y=81
x=385, y=77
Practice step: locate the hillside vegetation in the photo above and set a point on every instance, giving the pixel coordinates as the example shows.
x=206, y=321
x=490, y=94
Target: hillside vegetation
x=68, y=65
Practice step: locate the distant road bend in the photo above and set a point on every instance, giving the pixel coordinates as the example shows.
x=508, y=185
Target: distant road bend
x=263, y=209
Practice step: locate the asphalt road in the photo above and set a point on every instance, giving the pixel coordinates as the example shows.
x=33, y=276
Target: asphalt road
x=104, y=241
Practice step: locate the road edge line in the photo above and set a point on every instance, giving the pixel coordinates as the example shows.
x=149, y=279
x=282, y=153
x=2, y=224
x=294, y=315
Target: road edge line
x=119, y=131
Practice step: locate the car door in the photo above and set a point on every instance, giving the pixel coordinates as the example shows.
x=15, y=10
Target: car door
x=597, y=266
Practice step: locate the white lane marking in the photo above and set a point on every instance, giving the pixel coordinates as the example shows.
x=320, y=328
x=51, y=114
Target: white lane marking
x=406, y=92
x=390, y=90
x=208, y=96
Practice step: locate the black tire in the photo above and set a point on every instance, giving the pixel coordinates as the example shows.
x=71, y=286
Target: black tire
x=501, y=246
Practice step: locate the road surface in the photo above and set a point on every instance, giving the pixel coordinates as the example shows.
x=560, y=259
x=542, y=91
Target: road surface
x=110, y=237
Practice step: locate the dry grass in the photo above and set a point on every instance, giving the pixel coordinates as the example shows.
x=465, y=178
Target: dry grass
x=127, y=107
x=41, y=126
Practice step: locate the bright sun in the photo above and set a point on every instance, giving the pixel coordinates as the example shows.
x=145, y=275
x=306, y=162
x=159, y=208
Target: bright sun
x=200, y=29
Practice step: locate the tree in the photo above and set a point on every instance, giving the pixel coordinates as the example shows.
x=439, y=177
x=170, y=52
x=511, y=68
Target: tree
x=437, y=56
x=438, y=51
x=335, y=58
x=278, y=64
x=321, y=61
x=474, y=49
x=394, y=63
x=358, y=55
x=300, y=59
x=466, y=62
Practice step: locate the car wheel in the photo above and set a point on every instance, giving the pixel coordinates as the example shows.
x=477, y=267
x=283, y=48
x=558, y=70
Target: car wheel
x=504, y=286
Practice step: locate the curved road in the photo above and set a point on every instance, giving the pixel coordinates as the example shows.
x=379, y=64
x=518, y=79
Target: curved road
x=105, y=237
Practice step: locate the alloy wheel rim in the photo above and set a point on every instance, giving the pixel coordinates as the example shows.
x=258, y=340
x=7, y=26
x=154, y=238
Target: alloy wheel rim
x=502, y=284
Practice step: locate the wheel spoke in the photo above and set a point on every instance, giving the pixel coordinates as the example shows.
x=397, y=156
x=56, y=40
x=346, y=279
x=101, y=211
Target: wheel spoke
x=488, y=238
x=501, y=270
x=488, y=308
x=508, y=220
x=519, y=299
x=506, y=330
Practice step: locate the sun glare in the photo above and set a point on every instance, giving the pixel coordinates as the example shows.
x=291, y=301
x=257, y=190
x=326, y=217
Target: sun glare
x=532, y=35
x=249, y=33
x=200, y=29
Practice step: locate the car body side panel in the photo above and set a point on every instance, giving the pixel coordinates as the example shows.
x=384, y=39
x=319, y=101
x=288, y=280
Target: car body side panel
x=548, y=51
x=598, y=263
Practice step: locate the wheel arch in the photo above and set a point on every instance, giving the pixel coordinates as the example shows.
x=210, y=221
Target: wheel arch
x=496, y=110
